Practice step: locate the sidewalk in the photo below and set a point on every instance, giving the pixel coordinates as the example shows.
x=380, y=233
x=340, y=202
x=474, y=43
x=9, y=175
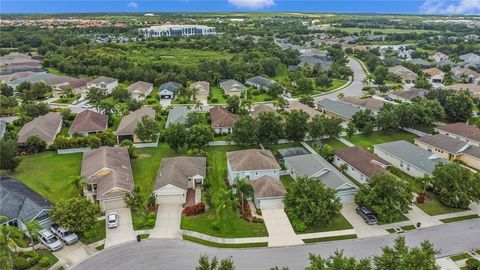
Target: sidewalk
x=417, y=215
x=326, y=234
x=246, y=240
x=453, y=215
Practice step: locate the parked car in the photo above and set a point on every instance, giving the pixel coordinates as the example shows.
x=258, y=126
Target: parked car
x=367, y=215
x=50, y=240
x=112, y=220
x=62, y=233
x=87, y=106
x=388, y=98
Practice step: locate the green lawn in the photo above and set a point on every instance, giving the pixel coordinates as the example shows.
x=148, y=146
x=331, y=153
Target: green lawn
x=333, y=142
x=434, y=207
x=262, y=97
x=287, y=180
x=408, y=227
x=337, y=224
x=233, y=226
x=220, y=245
x=455, y=219
x=378, y=137
x=331, y=238
x=460, y=257
x=49, y=173
x=218, y=94
x=94, y=235
x=51, y=258
x=399, y=219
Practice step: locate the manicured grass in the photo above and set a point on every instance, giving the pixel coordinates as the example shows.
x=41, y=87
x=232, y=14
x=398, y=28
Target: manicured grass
x=144, y=236
x=220, y=245
x=434, y=207
x=222, y=138
x=262, y=97
x=333, y=142
x=337, y=224
x=399, y=219
x=391, y=230
x=51, y=258
x=49, y=174
x=143, y=221
x=218, y=94
x=460, y=257
x=377, y=137
x=408, y=227
x=287, y=180
x=101, y=247
x=455, y=219
x=331, y=238
x=94, y=235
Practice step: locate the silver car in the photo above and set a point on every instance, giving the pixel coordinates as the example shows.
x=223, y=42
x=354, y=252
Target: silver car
x=112, y=220
x=50, y=240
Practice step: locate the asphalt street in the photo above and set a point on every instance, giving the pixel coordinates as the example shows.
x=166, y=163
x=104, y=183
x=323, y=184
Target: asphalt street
x=451, y=238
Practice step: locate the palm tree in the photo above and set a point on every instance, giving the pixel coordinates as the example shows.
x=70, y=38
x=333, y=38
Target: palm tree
x=280, y=103
x=243, y=190
x=78, y=183
x=198, y=105
x=193, y=93
x=247, y=104
x=224, y=202
x=8, y=235
x=33, y=228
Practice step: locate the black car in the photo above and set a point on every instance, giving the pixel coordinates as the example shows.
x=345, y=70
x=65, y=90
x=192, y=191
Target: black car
x=388, y=98
x=367, y=215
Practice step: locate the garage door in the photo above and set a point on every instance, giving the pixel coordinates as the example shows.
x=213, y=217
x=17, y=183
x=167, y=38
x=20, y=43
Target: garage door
x=113, y=204
x=164, y=199
x=347, y=197
x=271, y=204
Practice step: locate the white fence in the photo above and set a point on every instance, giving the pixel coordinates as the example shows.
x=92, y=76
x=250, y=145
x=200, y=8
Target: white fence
x=146, y=145
x=72, y=150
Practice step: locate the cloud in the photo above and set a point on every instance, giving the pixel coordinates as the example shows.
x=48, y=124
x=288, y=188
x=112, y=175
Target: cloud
x=132, y=5
x=252, y=4
x=442, y=7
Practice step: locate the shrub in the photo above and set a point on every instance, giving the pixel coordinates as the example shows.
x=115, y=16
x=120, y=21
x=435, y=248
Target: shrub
x=152, y=216
x=247, y=212
x=194, y=210
x=150, y=223
x=90, y=234
x=258, y=211
x=20, y=263
x=472, y=264
x=44, y=261
x=421, y=198
x=257, y=220
x=215, y=226
x=298, y=225
x=32, y=257
x=214, y=100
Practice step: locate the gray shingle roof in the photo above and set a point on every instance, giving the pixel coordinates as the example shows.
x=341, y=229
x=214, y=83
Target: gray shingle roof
x=410, y=94
x=19, y=201
x=411, y=154
x=177, y=115
x=450, y=145
x=232, y=86
x=177, y=170
x=421, y=62
x=313, y=60
x=312, y=165
x=260, y=80
x=170, y=86
x=339, y=108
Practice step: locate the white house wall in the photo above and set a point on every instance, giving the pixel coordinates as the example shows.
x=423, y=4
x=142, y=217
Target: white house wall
x=352, y=172
x=396, y=162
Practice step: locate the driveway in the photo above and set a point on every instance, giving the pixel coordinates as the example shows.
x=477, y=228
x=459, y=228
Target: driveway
x=69, y=255
x=361, y=228
x=124, y=232
x=417, y=215
x=168, y=221
x=280, y=231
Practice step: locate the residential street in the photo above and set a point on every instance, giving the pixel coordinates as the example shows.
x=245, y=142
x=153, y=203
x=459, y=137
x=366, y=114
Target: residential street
x=449, y=239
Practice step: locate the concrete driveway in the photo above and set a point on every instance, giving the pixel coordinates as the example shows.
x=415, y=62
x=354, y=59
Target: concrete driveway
x=280, y=231
x=124, y=232
x=361, y=228
x=168, y=221
x=69, y=255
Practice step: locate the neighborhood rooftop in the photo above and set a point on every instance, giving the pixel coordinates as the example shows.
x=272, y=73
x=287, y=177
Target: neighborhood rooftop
x=461, y=129
x=177, y=170
x=267, y=187
x=129, y=123
x=362, y=160
x=252, y=159
x=46, y=127
x=368, y=103
x=450, y=145
x=89, y=121
x=339, y=108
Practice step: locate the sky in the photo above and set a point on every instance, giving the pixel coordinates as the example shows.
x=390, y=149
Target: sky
x=452, y=7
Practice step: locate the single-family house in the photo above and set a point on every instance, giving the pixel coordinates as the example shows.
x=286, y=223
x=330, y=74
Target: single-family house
x=128, y=124
x=140, y=90
x=316, y=60
x=108, y=176
x=46, y=127
x=420, y=62
x=107, y=84
x=451, y=149
x=20, y=204
x=179, y=180
x=470, y=60
x=314, y=166
x=409, y=95
x=408, y=157
x=435, y=75
x=471, y=87
x=203, y=90
x=466, y=75
x=177, y=115
x=408, y=76
x=251, y=164
x=88, y=122
x=360, y=163
x=334, y=108
x=61, y=83
x=260, y=108
x=364, y=103
x=222, y=121
x=438, y=57
x=232, y=87
x=260, y=82
x=297, y=105
x=169, y=90
x=461, y=131
x=268, y=193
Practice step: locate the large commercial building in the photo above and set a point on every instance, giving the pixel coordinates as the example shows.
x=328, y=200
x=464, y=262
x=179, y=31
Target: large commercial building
x=177, y=31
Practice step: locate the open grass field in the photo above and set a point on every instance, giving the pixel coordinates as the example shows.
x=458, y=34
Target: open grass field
x=49, y=173
x=378, y=137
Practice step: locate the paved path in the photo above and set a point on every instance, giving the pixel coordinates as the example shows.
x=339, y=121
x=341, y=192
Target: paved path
x=209, y=238
x=417, y=215
x=168, y=221
x=124, y=232
x=361, y=228
x=347, y=143
x=456, y=214
x=69, y=255
x=149, y=254
x=326, y=234
x=280, y=231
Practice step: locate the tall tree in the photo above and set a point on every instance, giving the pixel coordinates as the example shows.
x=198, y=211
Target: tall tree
x=8, y=237
x=270, y=128
x=147, y=129
x=199, y=136
x=333, y=126
x=244, y=190
x=33, y=228
x=337, y=262
x=176, y=136
x=76, y=214
x=136, y=201
x=245, y=131
x=387, y=120
x=9, y=157
x=316, y=127
x=233, y=104
x=204, y=263
x=459, y=107
x=296, y=125
x=364, y=121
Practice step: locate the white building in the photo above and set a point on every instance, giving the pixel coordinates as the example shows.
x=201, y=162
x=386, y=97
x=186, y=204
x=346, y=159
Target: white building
x=107, y=84
x=169, y=30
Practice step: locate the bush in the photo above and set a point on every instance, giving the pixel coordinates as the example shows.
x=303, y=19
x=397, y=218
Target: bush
x=215, y=226
x=472, y=264
x=421, y=198
x=150, y=223
x=194, y=210
x=20, y=263
x=44, y=262
x=90, y=234
x=214, y=100
x=32, y=257
x=152, y=216
x=258, y=211
x=298, y=225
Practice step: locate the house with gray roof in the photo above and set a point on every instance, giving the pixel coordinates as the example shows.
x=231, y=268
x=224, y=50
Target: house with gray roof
x=409, y=95
x=128, y=124
x=177, y=115
x=20, y=204
x=314, y=166
x=180, y=179
x=292, y=151
x=420, y=62
x=46, y=127
x=470, y=60
x=334, y=108
x=169, y=90
x=408, y=157
x=232, y=87
x=466, y=75
x=35, y=77
x=260, y=82
x=313, y=60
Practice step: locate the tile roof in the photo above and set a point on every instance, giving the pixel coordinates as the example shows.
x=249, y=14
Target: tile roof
x=433, y=72
x=403, y=72
x=128, y=124
x=46, y=127
x=89, y=121
x=362, y=160
x=221, y=117
x=252, y=159
x=177, y=170
x=410, y=94
x=103, y=79
x=232, y=86
x=297, y=105
x=267, y=187
x=258, y=109
x=139, y=87
x=202, y=86
x=462, y=129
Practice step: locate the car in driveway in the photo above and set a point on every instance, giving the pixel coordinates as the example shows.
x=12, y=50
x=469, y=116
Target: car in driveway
x=366, y=215
x=112, y=220
x=87, y=106
x=50, y=240
x=65, y=235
